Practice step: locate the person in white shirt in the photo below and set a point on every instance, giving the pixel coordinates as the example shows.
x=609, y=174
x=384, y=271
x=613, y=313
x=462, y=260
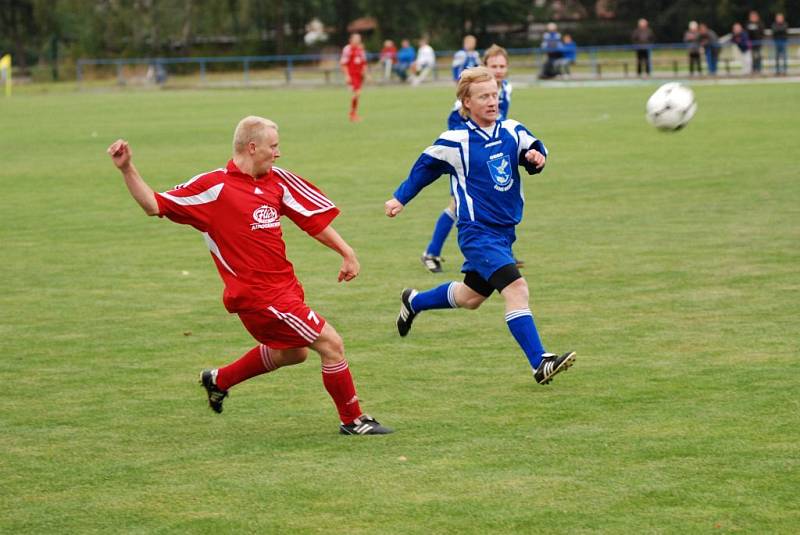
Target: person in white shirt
x=426, y=61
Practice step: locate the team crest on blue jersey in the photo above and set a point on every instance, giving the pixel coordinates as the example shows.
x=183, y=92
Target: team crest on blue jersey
x=500, y=169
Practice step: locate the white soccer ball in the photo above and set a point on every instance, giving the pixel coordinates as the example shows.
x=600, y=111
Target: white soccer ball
x=671, y=107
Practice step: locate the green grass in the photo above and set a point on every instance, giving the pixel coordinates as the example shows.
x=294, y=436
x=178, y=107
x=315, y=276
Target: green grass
x=668, y=261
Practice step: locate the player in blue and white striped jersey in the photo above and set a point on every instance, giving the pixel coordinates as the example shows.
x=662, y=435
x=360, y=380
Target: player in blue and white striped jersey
x=466, y=58
x=483, y=163
x=496, y=60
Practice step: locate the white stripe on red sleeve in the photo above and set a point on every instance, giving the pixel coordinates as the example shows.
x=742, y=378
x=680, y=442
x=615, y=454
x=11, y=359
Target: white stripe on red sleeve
x=207, y=196
x=304, y=189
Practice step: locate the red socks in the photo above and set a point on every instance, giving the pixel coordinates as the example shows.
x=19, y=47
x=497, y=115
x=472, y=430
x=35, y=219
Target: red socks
x=339, y=384
x=336, y=378
x=353, y=105
x=254, y=362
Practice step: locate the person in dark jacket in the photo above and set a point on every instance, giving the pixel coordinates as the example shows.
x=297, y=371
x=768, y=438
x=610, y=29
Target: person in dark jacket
x=755, y=29
x=742, y=41
x=643, y=39
x=691, y=38
x=709, y=40
x=780, y=35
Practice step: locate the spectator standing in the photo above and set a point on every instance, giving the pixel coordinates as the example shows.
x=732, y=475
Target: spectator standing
x=388, y=56
x=741, y=39
x=466, y=58
x=643, y=39
x=426, y=61
x=780, y=35
x=405, y=58
x=755, y=30
x=709, y=41
x=551, y=47
x=692, y=40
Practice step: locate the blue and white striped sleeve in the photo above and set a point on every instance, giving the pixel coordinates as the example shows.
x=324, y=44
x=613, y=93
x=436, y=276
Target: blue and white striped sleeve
x=434, y=162
x=525, y=142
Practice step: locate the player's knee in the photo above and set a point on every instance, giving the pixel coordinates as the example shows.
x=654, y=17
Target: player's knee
x=337, y=345
x=290, y=357
x=330, y=346
x=300, y=356
x=472, y=302
x=517, y=290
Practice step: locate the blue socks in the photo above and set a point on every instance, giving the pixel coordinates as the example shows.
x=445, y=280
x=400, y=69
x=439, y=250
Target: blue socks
x=520, y=323
x=440, y=232
x=439, y=297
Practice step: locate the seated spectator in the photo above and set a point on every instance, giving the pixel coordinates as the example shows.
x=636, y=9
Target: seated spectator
x=156, y=73
x=388, y=56
x=569, y=52
x=405, y=57
x=551, y=46
x=426, y=61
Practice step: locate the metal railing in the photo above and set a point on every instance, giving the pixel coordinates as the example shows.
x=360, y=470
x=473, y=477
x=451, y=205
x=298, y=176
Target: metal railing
x=591, y=62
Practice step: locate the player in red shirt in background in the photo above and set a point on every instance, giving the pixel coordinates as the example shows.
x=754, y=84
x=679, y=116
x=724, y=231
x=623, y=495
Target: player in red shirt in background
x=354, y=67
x=238, y=209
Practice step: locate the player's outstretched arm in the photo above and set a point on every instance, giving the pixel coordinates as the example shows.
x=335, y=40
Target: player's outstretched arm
x=392, y=207
x=350, y=266
x=121, y=155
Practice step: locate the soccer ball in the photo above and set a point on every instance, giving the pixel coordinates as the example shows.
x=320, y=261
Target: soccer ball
x=671, y=107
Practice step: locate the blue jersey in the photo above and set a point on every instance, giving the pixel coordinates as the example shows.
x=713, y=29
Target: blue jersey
x=484, y=171
x=464, y=60
x=455, y=121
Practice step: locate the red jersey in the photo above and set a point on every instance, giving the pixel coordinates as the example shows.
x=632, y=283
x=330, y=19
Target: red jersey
x=240, y=218
x=355, y=59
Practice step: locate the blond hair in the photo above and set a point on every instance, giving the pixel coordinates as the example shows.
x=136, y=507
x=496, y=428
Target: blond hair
x=475, y=75
x=251, y=128
x=494, y=50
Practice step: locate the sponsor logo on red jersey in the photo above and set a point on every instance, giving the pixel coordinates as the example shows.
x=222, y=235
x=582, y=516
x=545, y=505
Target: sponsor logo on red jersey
x=265, y=216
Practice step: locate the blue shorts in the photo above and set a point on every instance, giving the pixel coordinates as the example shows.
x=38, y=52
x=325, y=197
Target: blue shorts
x=485, y=249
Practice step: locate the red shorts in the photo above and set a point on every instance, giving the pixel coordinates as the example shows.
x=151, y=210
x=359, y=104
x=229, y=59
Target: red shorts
x=284, y=326
x=356, y=80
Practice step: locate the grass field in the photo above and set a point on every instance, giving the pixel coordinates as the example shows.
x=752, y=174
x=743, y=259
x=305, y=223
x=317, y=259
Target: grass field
x=668, y=261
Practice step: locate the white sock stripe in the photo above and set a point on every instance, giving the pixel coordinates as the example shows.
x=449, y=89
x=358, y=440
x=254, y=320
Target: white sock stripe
x=262, y=351
x=451, y=295
x=514, y=314
x=266, y=358
x=450, y=213
x=335, y=368
x=292, y=321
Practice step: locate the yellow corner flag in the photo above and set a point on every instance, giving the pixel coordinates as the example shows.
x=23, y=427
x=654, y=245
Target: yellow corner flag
x=5, y=71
